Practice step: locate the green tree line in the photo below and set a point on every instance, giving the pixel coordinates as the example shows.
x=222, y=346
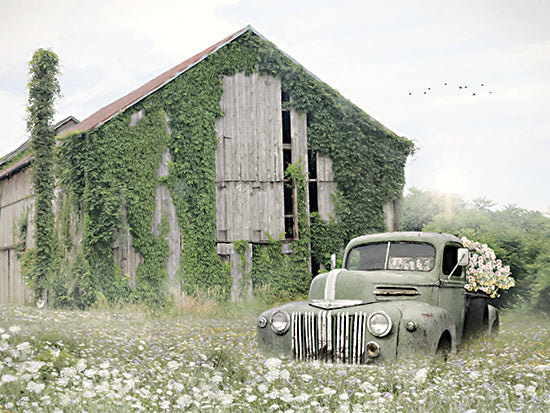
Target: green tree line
x=519, y=237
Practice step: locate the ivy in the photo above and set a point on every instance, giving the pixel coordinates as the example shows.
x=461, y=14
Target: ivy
x=43, y=85
x=286, y=274
x=109, y=178
x=368, y=159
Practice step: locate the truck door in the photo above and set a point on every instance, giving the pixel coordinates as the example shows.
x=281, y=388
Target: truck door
x=451, y=287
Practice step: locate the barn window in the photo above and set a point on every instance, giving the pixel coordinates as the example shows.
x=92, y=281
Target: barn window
x=312, y=180
x=286, y=126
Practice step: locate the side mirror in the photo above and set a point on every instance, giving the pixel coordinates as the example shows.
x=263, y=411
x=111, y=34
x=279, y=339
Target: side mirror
x=333, y=261
x=463, y=258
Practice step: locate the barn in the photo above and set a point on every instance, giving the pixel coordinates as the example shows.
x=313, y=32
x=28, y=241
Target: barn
x=183, y=183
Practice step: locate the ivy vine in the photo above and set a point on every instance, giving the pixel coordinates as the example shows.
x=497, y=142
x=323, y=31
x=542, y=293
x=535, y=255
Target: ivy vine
x=39, y=263
x=109, y=178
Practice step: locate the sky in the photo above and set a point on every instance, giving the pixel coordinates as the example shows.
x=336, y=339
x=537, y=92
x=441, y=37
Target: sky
x=467, y=81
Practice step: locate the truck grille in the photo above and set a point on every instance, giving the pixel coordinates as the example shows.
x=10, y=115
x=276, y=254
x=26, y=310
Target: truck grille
x=329, y=337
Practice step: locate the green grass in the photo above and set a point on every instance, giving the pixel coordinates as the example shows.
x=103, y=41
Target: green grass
x=130, y=359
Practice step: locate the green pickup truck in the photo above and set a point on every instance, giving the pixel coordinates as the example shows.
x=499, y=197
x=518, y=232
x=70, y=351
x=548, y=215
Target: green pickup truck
x=398, y=294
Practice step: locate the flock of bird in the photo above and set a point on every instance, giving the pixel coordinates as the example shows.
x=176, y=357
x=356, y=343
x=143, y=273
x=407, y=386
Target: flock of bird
x=460, y=87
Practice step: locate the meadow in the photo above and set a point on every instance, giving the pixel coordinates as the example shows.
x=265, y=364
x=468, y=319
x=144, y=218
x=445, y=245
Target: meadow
x=131, y=360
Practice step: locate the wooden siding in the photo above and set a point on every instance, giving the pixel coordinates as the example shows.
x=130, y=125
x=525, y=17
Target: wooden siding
x=326, y=187
x=249, y=160
x=16, y=201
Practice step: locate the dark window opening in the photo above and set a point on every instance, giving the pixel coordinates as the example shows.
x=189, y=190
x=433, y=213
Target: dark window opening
x=312, y=164
x=309, y=118
x=289, y=227
x=315, y=266
x=284, y=96
x=313, y=203
x=286, y=126
x=288, y=198
x=287, y=158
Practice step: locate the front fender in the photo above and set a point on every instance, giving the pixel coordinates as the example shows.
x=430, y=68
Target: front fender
x=422, y=328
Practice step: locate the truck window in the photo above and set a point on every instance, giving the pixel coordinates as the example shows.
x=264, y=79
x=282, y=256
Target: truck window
x=400, y=256
x=449, y=260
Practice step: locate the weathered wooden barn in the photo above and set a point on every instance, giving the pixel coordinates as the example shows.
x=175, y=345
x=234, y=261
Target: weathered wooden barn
x=264, y=125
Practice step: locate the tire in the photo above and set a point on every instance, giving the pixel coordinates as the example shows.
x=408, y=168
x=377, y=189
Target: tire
x=477, y=317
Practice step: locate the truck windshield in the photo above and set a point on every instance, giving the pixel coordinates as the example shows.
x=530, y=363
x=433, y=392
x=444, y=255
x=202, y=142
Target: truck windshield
x=393, y=255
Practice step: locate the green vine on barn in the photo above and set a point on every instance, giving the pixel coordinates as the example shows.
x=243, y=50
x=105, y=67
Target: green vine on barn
x=39, y=263
x=109, y=176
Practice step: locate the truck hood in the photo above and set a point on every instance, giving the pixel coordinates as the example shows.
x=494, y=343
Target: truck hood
x=342, y=288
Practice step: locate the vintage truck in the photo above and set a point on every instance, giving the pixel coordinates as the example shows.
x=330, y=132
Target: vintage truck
x=398, y=294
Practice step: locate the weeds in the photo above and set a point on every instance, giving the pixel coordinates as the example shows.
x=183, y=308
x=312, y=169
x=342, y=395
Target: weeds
x=128, y=360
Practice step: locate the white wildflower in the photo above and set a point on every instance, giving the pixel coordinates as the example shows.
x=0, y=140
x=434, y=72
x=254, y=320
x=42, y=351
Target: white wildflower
x=272, y=374
x=15, y=329
x=306, y=377
x=227, y=399
x=68, y=372
x=172, y=365
x=285, y=375
x=421, y=375
x=5, y=337
x=183, y=401
x=301, y=398
x=328, y=391
x=6, y=378
x=35, y=387
x=91, y=372
x=262, y=388
x=81, y=365
x=33, y=366
x=24, y=347
x=250, y=398
x=285, y=395
x=273, y=363
x=518, y=388
x=368, y=387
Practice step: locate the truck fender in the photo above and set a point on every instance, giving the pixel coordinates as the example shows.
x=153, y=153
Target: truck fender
x=423, y=327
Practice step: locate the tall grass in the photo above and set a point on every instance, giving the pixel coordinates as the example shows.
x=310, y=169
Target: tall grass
x=205, y=358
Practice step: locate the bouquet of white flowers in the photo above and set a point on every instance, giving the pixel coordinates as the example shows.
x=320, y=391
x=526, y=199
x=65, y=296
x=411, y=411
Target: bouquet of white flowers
x=485, y=273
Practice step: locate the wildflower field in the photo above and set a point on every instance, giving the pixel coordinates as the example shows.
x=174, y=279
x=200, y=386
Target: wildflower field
x=121, y=361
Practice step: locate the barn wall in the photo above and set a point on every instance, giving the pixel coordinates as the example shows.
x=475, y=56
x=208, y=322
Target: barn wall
x=249, y=160
x=15, y=202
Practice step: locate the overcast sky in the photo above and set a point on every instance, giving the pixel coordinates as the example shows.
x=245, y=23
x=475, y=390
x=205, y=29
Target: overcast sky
x=468, y=81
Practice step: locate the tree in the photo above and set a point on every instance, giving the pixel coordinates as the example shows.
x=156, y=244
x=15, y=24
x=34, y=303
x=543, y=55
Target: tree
x=43, y=90
x=420, y=207
x=520, y=238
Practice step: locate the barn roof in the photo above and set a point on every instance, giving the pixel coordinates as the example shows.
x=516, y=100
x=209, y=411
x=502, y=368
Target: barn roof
x=106, y=113
x=111, y=110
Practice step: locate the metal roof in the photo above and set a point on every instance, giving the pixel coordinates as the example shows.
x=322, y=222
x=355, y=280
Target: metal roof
x=106, y=113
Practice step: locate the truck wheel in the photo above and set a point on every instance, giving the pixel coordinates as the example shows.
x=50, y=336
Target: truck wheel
x=477, y=317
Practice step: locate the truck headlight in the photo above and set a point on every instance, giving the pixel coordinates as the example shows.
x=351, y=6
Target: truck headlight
x=280, y=322
x=379, y=324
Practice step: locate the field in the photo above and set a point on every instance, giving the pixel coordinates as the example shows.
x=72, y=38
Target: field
x=130, y=360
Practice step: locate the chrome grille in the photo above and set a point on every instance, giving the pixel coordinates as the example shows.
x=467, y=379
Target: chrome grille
x=329, y=337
